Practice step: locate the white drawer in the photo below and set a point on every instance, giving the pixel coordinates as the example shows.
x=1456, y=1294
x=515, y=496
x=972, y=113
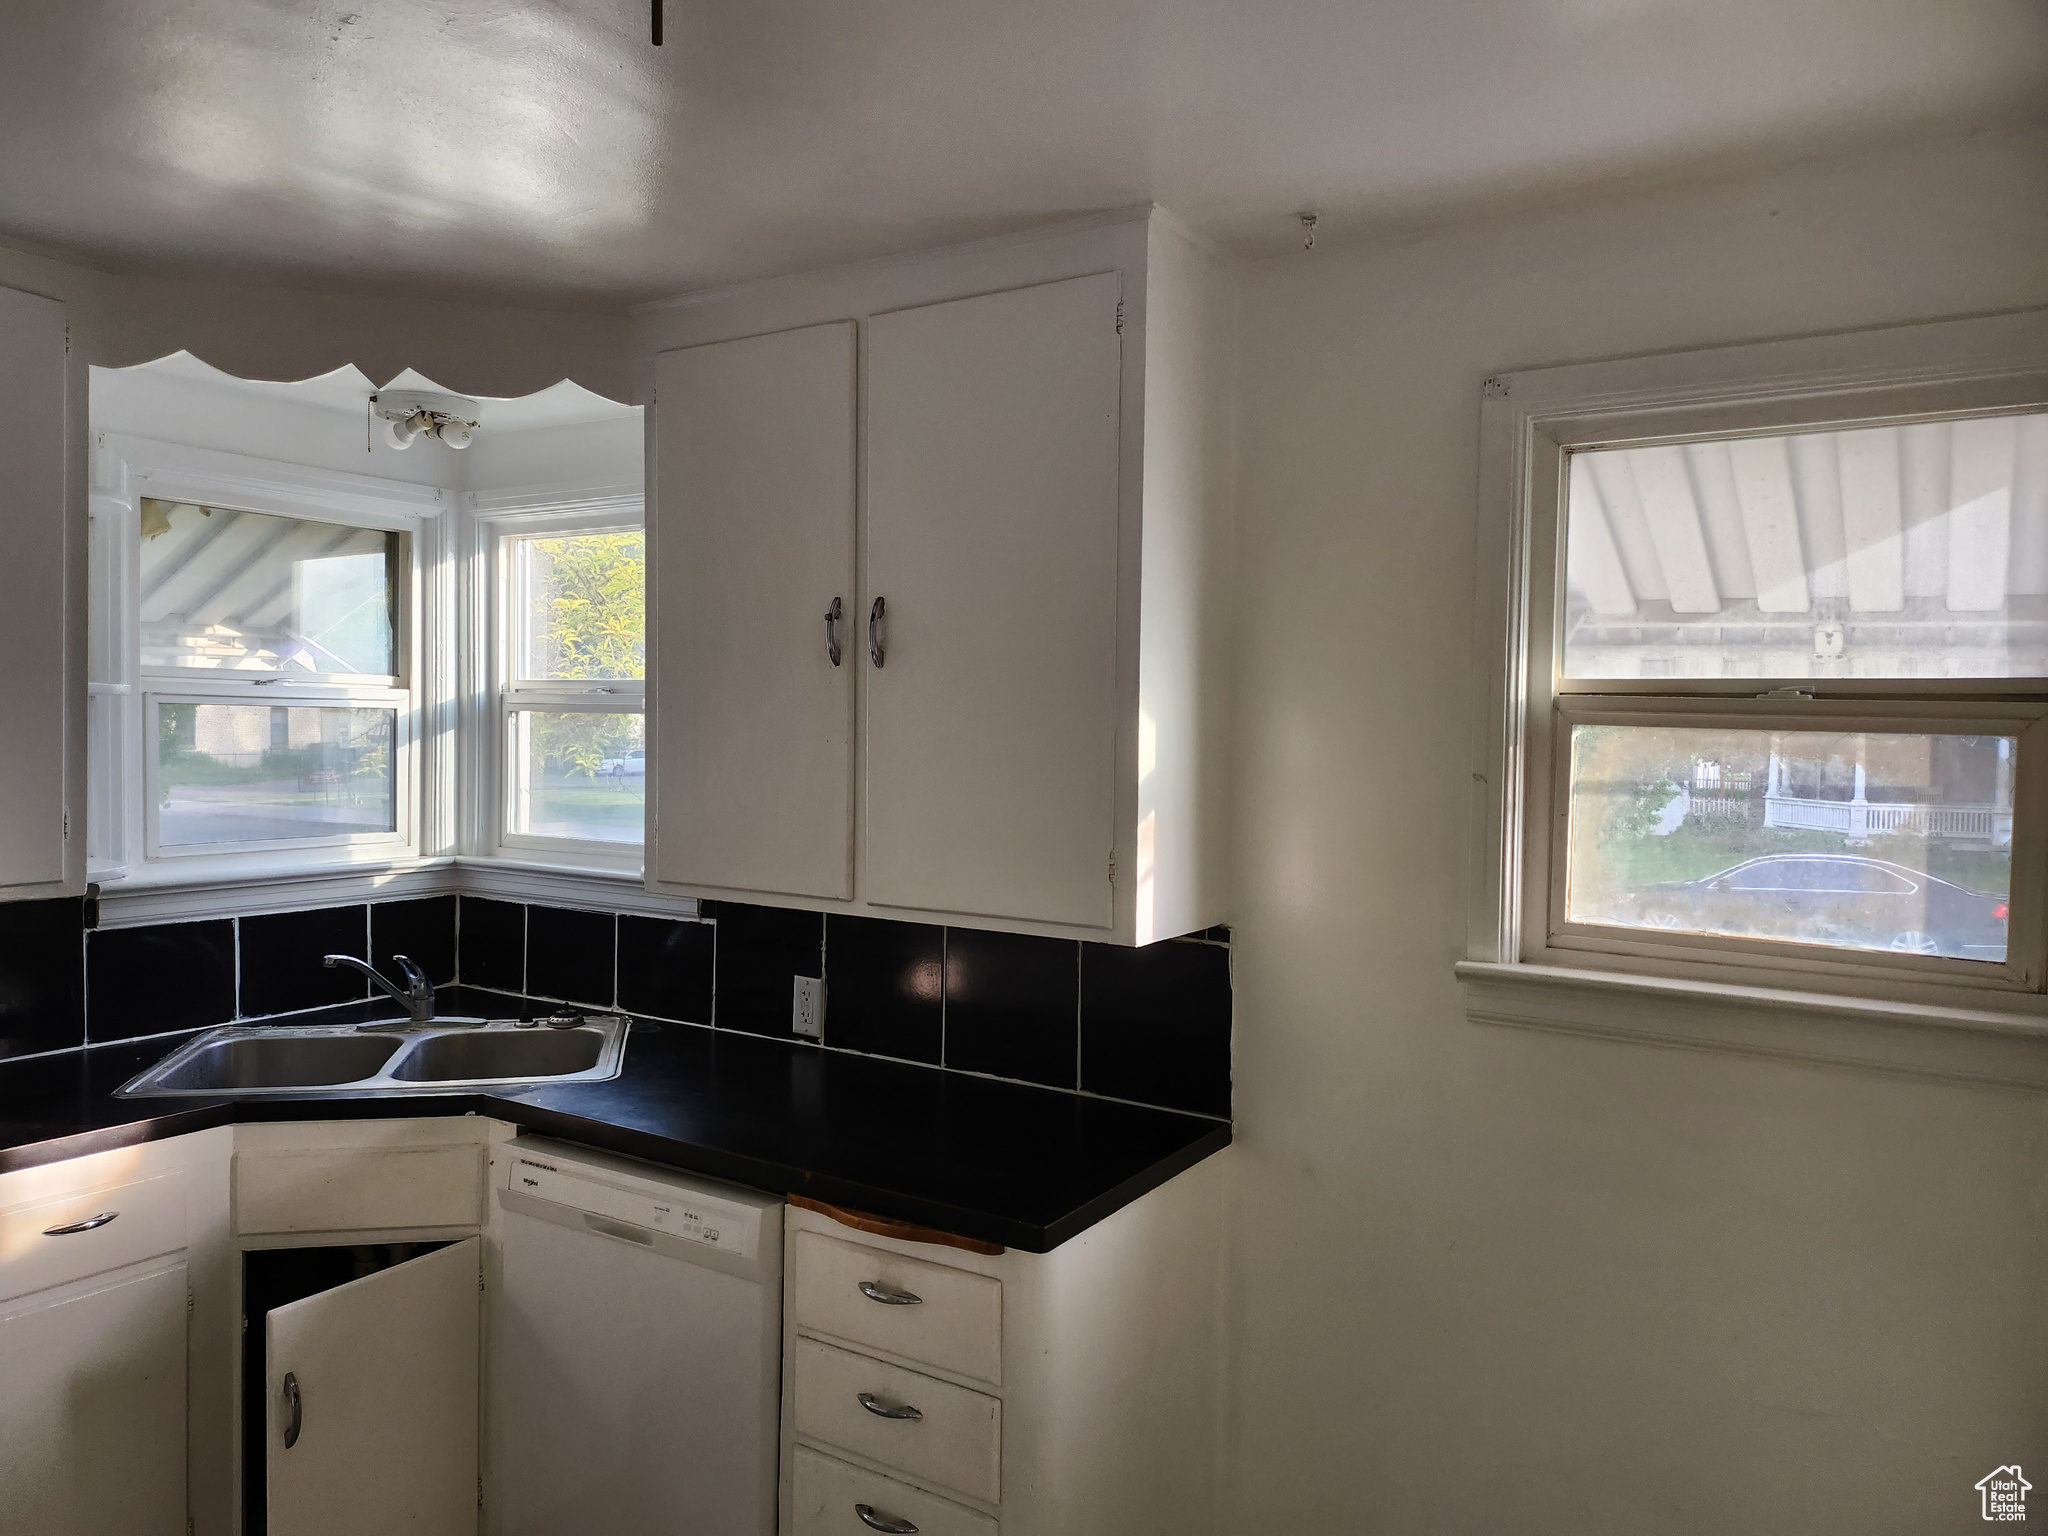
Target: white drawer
x=956, y=1323
x=349, y=1189
x=148, y=1219
x=829, y=1495
x=956, y=1442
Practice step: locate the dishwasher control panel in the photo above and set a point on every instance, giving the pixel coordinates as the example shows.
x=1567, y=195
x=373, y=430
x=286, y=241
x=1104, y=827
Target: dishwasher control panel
x=647, y=1206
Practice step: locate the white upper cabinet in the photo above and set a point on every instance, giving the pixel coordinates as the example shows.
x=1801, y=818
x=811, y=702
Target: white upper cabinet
x=38, y=756
x=990, y=733
x=753, y=548
x=1025, y=729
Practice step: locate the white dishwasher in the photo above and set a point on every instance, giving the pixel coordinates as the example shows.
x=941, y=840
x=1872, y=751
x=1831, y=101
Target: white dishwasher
x=635, y=1349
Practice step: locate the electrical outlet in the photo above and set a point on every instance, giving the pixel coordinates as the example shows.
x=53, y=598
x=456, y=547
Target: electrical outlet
x=807, y=1008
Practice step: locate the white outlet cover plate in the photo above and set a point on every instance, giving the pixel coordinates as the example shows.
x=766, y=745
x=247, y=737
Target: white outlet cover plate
x=807, y=1007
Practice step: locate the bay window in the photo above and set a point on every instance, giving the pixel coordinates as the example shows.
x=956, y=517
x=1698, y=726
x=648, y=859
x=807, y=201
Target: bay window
x=570, y=657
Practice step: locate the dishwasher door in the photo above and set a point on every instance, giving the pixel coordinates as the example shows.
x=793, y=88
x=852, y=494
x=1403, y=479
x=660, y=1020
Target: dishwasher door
x=634, y=1352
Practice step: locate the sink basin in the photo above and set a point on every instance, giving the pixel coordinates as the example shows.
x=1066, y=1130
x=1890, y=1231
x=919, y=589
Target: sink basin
x=243, y=1060
x=274, y=1060
x=495, y=1056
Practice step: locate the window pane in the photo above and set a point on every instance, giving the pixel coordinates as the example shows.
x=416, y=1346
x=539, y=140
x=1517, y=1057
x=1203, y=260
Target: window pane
x=253, y=592
x=230, y=773
x=580, y=605
x=577, y=775
x=1885, y=552
x=1886, y=842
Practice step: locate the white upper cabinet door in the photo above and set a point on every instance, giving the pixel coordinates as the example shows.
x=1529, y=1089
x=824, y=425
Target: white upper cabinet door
x=753, y=547
x=383, y=1387
x=35, y=747
x=991, y=717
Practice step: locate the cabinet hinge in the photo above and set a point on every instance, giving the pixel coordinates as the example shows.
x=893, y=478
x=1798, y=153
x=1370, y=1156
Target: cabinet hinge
x=1112, y=866
x=190, y=1304
x=1119, y=317
x=67, y=826
x=479, y=1493
x=67, y=338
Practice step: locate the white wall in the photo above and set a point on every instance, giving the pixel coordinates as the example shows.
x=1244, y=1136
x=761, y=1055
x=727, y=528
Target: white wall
x=1494, y=1280
x=258, y=332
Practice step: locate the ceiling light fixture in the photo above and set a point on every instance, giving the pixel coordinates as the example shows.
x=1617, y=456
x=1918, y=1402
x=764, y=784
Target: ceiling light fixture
x=413, y=413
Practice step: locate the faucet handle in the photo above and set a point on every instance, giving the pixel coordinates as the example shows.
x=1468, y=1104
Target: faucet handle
x=415, y=977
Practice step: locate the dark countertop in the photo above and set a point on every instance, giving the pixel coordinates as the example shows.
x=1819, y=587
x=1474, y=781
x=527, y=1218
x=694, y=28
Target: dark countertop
x=1024, y=1167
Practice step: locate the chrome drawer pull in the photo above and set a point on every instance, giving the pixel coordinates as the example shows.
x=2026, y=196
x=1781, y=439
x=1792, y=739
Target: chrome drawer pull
x=832, y=616
x=882, y=1410
x=875, y=649
x=874, y=1291
x=875, y=1522
x=81, y=1226
x=291, y=1401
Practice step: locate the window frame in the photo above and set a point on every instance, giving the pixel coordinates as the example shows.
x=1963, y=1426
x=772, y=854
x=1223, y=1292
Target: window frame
x=353, y=696
x=123, y=764
x=504, y=693
x=1530, y=423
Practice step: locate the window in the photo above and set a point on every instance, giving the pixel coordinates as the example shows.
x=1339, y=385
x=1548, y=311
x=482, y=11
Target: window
x=1773, y=703
x=274, y=698
x=572, y=696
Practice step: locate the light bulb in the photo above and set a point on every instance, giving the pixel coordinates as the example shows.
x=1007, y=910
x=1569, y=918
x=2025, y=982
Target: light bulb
x=399, y=434
x=456, y=434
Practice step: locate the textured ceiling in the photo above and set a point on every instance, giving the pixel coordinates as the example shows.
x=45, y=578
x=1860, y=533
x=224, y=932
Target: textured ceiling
x=544, y=148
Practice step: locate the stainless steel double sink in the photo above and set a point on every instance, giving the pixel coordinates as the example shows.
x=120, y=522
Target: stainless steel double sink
x=239, y=1060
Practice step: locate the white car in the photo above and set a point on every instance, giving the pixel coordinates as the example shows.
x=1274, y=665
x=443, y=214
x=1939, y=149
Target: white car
x=627, y=765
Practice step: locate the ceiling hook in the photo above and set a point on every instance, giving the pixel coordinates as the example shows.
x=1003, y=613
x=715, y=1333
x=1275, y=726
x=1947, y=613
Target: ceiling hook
x=1308, y=230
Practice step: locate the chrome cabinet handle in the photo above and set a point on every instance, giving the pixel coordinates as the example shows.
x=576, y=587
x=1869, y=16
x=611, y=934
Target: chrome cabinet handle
x=81, y=1226
x=291, y=1401
x=875, y=615
x=887, y=1297
x=888, y=1523
x=832, y=616
x=882, y=1410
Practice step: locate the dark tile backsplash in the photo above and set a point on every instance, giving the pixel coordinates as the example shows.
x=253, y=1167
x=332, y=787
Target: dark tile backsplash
x=150, y=981
x=493, y=944
x=884, y=987
x=1150, y=1025
x=42, y=977
x=1011, y=1005
x=282, y=954
x=572, y=955
x=665, y=967
x=422, y=930
x=1155, y=1024
x=761, y=952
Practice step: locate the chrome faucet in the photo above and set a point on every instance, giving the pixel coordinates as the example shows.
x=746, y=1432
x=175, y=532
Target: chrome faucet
x=418, y=995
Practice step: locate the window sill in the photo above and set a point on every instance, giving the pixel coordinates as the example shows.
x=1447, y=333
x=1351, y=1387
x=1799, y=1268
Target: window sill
x=613, y=890
x=178, y=897
x=1957, y=1044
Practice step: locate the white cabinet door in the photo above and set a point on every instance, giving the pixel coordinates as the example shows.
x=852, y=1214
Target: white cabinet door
x=754, y=518
x=35, y=747
x=384, y=1373
x=92, y=1408
x=990, y=728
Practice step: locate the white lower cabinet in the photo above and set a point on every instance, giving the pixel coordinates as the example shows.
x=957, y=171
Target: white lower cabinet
x=831, y=1497
x=932, y=1389
x=932, y=1429
x=92, y=1407
x=370, y=1421
x=95, y=1353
